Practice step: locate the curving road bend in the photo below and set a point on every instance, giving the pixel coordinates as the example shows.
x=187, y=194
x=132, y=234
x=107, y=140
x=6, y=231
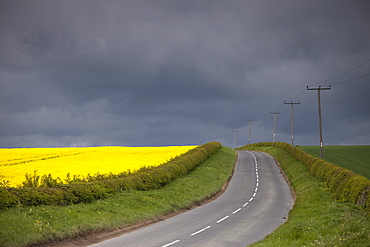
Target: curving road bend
x=255, y=203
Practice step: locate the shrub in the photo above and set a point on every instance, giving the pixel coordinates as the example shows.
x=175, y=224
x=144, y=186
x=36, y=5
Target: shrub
x=85, y=192
x=32, y=181
x=38, y=196
x=339, y=183
x=365, y=201
x=7, y=199
x=316, y=166
x=321, y=173
x=354, y=188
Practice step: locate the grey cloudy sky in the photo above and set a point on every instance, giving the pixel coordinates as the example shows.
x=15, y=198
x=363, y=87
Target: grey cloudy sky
x=175, y=72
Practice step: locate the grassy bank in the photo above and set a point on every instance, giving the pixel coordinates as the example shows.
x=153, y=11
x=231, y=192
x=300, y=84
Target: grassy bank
x=22, y=226
x=355, y=158
x=316, y=219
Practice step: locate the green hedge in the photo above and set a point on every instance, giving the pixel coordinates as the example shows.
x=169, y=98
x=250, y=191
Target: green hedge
x=144, y=179
x=345, y=185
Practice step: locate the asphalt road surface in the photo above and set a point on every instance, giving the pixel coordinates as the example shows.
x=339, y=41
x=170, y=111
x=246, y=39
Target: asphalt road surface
x=255, y=203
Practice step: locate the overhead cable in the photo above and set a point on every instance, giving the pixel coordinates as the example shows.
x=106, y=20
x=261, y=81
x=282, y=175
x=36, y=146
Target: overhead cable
x=342, y=73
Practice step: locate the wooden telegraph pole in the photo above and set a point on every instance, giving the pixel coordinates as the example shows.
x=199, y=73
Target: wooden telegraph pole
x=249, y=130
x=235, y=131
x=274, y=136
x=320, y=121
x=292, y=123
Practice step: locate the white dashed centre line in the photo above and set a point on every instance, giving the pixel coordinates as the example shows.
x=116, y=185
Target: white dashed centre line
x=201, y=230
x=224, y=218
x=169, y=244
x=237, y=210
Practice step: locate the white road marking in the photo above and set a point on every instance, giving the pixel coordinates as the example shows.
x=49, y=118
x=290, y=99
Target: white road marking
x=237, y=210
x=224, y=218
x=169, y=244
x=201, y=230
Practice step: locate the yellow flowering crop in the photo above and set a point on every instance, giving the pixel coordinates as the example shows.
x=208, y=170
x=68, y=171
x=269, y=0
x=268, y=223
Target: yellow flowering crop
x=81, y=161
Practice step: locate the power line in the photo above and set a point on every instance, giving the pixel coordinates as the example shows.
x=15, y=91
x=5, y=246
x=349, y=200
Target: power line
x=352, y=79
x=282, y=124
x=334, y=77
x=298, y=94
x=308, y=96
x=341, y=73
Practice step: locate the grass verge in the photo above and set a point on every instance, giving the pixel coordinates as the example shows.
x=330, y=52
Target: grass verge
x=316, y=219
x=26, y=226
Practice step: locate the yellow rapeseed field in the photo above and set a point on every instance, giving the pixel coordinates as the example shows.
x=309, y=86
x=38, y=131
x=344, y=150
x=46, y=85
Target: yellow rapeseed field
x=81, y=161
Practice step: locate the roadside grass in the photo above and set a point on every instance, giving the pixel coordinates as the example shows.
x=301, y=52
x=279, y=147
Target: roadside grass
x=353, y=157
x=316, y=219
x=23, y=226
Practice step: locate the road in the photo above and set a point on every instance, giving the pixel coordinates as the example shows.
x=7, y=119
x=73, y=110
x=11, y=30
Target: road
x=255, y=203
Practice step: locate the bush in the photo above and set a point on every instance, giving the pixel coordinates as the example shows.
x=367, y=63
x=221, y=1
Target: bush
x=83, y=192
x=7, y=199
x=316, y=166
x=39, y=196
x=354, y=188
x=324, y=173
x=339, y=183
x=366, y=201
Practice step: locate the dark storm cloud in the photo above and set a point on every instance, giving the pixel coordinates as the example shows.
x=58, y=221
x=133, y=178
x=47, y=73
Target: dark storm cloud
x=180, y=72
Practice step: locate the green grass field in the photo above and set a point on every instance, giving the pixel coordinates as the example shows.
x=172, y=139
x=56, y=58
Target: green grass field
x=355, y=158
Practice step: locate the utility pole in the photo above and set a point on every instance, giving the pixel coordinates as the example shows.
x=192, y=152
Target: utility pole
x=249, y=130
x=292, y=123
x=235, y=131
x=274, y=136
x=320, y=122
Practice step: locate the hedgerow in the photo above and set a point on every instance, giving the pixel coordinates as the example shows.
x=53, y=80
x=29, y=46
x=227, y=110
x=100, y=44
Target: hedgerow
x=146, y=178
x=345, y=185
